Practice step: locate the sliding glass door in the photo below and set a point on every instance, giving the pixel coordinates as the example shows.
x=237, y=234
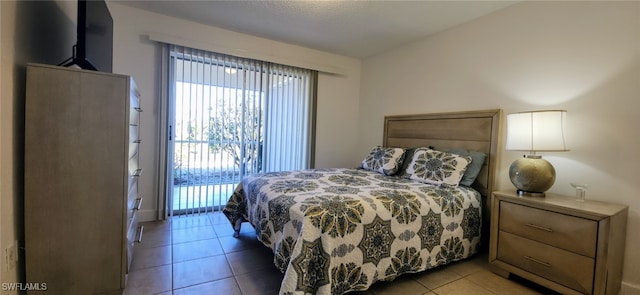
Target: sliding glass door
x=230, y=117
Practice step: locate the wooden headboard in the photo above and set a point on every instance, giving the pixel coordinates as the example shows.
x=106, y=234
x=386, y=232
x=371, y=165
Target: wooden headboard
x=471, y=130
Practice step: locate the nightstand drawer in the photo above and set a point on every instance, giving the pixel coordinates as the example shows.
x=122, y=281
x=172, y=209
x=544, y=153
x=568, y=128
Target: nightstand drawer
x=570, y=233
x=563, y=267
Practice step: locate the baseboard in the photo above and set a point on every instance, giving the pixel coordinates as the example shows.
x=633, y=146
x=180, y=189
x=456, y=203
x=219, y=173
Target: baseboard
x=147, y=215
x=629, y=289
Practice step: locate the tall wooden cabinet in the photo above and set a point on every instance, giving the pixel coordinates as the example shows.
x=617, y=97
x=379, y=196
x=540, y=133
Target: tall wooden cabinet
x=81, y=174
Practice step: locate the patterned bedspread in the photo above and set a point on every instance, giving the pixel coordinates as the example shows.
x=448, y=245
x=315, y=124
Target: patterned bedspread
x=339, y=230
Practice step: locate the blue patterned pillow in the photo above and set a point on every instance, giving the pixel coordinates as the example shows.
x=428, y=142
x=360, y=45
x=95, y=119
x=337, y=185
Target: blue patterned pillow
x=385, y=160
x=436, y=167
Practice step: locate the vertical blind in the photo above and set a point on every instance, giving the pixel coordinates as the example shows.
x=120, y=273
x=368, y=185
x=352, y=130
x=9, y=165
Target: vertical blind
x=232, y=117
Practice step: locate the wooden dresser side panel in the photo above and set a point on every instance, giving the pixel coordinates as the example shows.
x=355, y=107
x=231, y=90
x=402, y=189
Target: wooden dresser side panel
x=610, y=256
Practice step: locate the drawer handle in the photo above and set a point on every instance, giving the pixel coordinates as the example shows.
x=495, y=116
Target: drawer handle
x=139, y=234
x=537, y=261
x=137, y=141
x=139, y=110
x=137, y=205
x=540, y=227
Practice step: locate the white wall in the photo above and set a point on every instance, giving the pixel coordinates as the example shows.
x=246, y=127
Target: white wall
x=134, y=54
x=580, y=56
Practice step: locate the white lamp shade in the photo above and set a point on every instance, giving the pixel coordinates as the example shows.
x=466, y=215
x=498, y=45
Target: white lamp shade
x=536, y=131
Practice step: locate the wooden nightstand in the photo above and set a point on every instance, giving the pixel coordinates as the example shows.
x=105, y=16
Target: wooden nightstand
x=569, y=246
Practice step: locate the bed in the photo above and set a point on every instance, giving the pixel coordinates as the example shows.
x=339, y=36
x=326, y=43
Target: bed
x=338, y=230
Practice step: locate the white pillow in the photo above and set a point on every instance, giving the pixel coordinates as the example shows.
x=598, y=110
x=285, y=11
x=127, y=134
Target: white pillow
x=385, y=160
x=437, y=167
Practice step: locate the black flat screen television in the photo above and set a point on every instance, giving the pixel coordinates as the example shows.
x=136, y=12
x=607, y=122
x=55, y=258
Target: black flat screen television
x=94, y=46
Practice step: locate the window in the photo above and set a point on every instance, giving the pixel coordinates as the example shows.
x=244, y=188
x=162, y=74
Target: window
x=232, y=117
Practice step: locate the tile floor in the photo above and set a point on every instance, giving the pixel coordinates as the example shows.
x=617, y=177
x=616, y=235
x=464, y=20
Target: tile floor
x=198, y=255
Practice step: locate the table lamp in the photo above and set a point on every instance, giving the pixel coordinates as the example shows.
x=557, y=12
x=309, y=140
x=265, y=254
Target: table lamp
x=535, y=131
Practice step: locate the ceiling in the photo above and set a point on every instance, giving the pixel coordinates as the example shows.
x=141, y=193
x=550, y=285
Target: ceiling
x=352, y=28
